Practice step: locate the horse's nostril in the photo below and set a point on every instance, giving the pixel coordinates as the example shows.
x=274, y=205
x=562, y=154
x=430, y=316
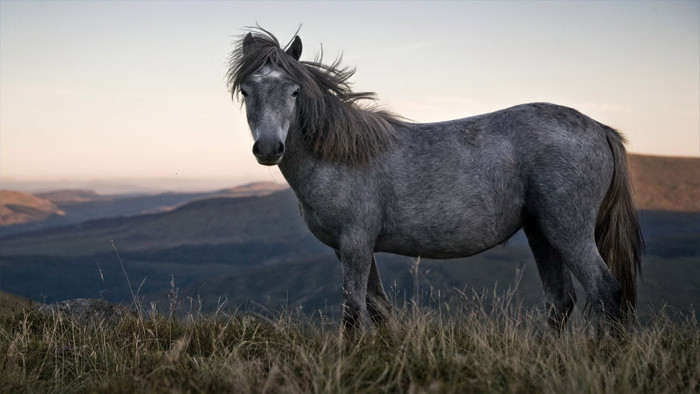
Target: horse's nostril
x=280, y=148
x=256, y=149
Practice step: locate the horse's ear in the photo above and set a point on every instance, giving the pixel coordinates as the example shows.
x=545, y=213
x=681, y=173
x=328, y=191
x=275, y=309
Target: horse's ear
x=294, y=49
x=247, y=41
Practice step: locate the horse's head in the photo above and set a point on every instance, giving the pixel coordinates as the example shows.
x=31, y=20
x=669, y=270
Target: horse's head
x=281, y=92
x=270, y=98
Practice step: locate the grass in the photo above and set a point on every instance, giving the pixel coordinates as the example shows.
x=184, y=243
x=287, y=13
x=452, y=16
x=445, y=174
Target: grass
x=10, y=303
x=461, y=347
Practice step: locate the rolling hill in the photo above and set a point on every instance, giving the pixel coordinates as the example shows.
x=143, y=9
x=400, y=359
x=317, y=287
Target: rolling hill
x=211, y=221
x=11, y=303
x=17, y=207
x=82, y=205
x=72, y=196
x=666, y=183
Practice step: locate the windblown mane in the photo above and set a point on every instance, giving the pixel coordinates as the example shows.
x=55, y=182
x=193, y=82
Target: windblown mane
x=336, y=126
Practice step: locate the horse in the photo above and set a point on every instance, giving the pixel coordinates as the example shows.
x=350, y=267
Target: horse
x=368, y=180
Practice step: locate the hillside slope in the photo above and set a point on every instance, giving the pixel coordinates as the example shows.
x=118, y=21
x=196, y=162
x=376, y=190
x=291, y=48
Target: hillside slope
x=12, y=303
x=83, y=205
x=71, y=196
x=666, y=183
x=17, y=207
x=212, y=221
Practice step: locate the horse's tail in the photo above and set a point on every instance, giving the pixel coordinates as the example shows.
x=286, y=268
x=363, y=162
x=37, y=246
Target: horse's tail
x=617, y=231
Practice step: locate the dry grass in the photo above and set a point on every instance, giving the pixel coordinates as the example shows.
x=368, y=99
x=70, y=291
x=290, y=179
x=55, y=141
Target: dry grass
x=10, y=303
x=463, y=347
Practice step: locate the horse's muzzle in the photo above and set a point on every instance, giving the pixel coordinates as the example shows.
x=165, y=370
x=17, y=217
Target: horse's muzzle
x=268, y=152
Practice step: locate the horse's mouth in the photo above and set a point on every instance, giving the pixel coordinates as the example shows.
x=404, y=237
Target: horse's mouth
x=270, y=162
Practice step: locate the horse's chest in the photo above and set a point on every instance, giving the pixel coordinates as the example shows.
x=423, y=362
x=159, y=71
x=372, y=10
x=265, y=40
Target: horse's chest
x=321, y=225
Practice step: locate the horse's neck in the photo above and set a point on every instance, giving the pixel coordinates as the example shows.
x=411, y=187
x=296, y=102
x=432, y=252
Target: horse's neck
x=298, y=162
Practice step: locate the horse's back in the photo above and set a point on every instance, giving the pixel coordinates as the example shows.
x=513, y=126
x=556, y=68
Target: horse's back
x=459, y=187
x=536, y=139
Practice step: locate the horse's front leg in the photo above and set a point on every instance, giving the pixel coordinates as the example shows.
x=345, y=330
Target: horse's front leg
x=356, y=259
x=378, y=305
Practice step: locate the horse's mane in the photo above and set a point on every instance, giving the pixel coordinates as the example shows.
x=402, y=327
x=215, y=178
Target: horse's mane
x=334, y=123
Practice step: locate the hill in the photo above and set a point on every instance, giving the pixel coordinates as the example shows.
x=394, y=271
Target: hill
x=83, y=205
x=72, y=196
x=211, y=221
x=252, y=189
x=11, y=303
x=17, y=207
x=666, y=183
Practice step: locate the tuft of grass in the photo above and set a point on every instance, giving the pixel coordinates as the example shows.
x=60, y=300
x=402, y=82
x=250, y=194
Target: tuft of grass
x=470, y=348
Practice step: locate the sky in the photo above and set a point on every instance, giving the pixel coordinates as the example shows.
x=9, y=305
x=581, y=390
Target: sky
x=127, y=95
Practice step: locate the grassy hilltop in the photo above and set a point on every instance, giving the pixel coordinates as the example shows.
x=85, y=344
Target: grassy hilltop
x=476, y=349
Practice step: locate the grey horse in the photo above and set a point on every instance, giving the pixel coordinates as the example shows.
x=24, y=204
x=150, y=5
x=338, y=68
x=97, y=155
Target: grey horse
x=370, y=181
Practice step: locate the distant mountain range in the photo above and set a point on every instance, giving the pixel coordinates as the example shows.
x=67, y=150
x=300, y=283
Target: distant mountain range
x=23, y=212
x=73, y=196
x=210, y=221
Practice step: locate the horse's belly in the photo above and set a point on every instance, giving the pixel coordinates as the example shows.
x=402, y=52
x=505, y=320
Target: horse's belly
x=442, y=236
x=445, y=248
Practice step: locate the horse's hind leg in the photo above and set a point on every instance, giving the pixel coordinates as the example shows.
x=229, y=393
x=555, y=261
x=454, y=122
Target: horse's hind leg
x=559, y=293
x=576, y=246
x=603, y=290
x=378, y=304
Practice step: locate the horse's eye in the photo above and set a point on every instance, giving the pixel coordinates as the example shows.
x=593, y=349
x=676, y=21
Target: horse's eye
x=244, y=93
x=295, y=93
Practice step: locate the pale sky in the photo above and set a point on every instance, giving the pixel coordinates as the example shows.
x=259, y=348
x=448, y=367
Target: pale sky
x=134, y=92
